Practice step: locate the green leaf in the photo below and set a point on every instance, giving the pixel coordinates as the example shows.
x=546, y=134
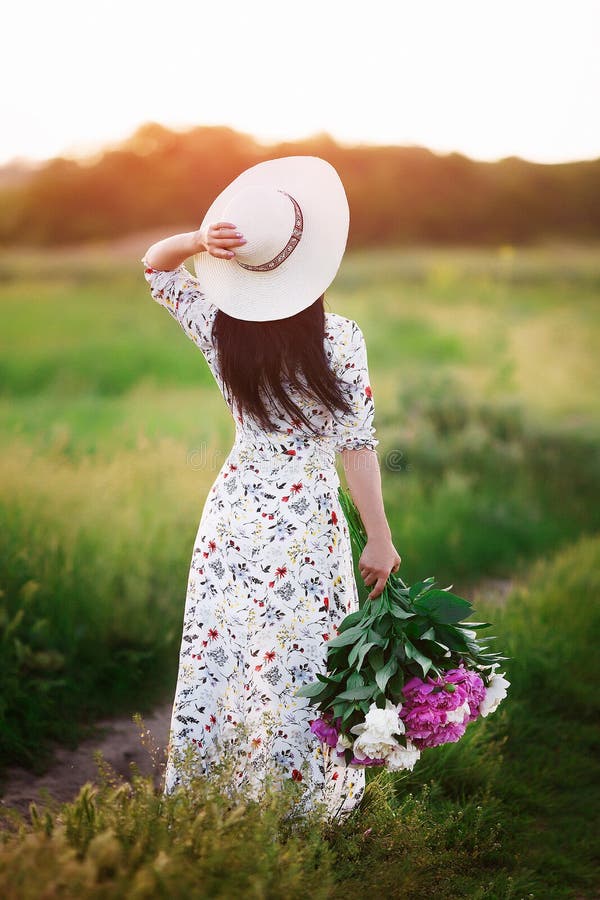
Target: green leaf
x=377, y=638
x=385, y=625
x=361, y=655
x=332, y=693
x=376, y=607
x=399, y=651
x=420, y=658
x=339, y=675
x=360, y=693
x=382, y=676
x=350, y=620
x=376, y=658
x=415, y=629
x=434, y=648
x=332, y=677
x=400, y=613
x=443, y=606
x=353, y=655
x=396, y=683
x=337, y=658
x=346, y=637
x=396, y=587
x=348, y=714
x=310, y=690
x=356, y=680
x=448, y=635
x=420, y=586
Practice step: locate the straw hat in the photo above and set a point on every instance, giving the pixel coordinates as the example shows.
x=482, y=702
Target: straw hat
x=293, y=212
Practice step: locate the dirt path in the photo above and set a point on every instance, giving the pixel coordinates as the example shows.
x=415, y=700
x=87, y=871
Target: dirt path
x=122, y=741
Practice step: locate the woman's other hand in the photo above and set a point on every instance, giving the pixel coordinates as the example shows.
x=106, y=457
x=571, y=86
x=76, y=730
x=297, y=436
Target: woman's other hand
x=378, y=559
x=379, y=556
x=219, y=238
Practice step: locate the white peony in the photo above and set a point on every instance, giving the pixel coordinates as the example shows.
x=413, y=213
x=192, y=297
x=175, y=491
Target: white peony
x=375, y=735
x=344, y=743
x=458, y=714
x=381, y=723
x=366, y=745
x=494, y=694
x=403, y=757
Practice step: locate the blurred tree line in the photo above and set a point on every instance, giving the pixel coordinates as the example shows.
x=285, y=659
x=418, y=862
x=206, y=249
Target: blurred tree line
x=159, y=177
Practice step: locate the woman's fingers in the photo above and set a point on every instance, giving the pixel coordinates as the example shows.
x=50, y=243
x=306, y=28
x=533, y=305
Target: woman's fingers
x=377, y=589
x=221, y=252
x=222, y=236
x=372, y=575
x=377, y=577
x=229, y=242
x=220, y=233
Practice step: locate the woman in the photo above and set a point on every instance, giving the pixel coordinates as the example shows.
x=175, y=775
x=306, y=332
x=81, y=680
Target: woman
x=271, y=575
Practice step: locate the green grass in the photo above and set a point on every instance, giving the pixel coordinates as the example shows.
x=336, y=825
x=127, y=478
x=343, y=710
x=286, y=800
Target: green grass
x=106, y=407
x=510, y=811
x=484, y=369
x=475, y=488
x=82, y=330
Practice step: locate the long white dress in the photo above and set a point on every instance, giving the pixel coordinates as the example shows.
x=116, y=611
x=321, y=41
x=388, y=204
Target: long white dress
x=271, y=578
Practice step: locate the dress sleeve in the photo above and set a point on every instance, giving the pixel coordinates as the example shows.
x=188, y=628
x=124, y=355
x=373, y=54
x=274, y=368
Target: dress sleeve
x=179, y=292
x=356, y=431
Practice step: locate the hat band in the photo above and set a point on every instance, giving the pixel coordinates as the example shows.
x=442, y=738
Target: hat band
x=289, y=247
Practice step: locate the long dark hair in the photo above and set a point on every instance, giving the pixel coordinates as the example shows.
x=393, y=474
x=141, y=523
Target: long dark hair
x=254, y=358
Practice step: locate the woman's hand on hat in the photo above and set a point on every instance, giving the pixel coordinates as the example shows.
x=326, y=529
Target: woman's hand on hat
x=219, y=239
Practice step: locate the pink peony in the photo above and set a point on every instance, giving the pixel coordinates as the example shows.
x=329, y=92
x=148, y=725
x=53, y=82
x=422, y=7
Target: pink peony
x=366, y=761
x=473, y=684
x=363, y=761
x=434, y=714
x=325, y=729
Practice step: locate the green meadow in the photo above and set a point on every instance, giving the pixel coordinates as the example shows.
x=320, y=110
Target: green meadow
x=485, y=372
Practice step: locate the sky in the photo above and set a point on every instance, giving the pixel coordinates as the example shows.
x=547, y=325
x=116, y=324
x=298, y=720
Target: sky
x=485, y=78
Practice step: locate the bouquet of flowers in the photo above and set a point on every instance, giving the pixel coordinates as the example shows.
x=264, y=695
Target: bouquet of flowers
x=404, y=672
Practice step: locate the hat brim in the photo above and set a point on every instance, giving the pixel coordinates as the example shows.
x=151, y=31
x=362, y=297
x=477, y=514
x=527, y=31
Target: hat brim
x=309, y=270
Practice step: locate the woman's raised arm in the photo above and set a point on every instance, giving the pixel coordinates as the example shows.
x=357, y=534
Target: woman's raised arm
x=172, y=251
x=175, y=288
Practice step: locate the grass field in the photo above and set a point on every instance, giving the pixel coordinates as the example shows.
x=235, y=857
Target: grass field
x=485, y=371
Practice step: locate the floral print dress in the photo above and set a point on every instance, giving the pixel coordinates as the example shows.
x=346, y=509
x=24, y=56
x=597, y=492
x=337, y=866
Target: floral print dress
x=271, y=578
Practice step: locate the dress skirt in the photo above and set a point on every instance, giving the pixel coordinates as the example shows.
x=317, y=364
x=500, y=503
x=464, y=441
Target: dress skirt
x=270, y=580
